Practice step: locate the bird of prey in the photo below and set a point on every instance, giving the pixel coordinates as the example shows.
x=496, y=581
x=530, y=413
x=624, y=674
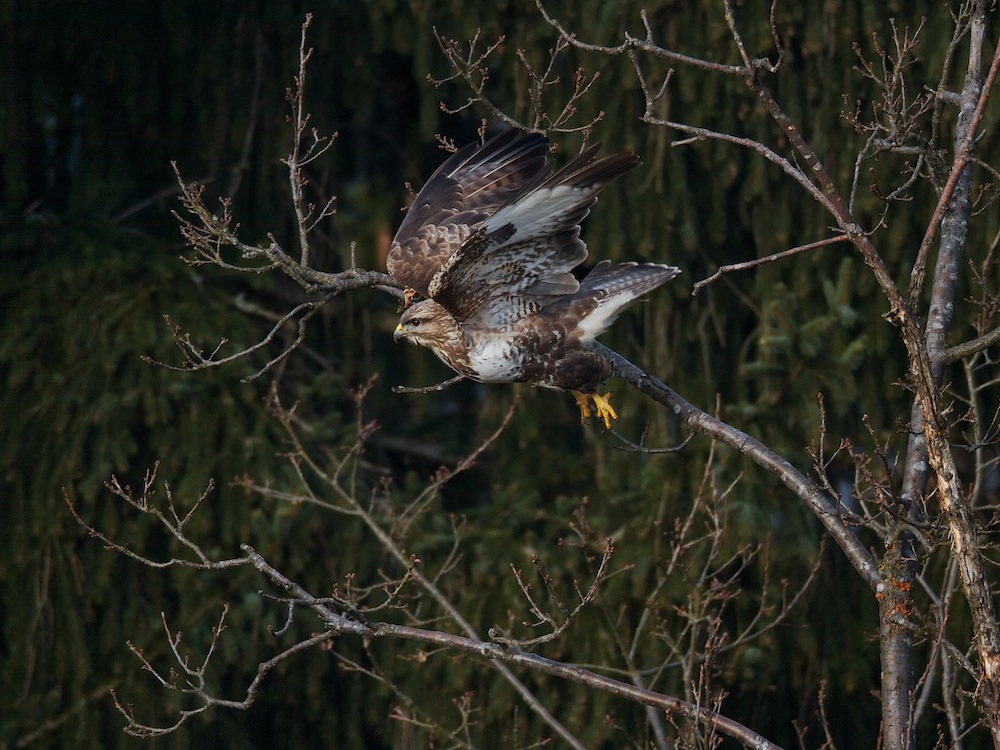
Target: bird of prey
x=486, y=253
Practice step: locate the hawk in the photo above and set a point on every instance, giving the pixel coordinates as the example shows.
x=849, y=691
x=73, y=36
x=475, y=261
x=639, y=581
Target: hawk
x=489, y=245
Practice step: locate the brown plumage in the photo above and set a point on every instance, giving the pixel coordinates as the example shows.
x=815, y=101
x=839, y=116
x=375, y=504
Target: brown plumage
x=490, y=243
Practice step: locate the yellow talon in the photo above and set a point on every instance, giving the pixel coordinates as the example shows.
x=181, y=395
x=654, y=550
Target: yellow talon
x=601, y=403
x=582, y=400
x=604, y=410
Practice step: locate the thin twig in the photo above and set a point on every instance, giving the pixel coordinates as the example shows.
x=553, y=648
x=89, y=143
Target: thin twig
x=769, y=259
x=430, y=388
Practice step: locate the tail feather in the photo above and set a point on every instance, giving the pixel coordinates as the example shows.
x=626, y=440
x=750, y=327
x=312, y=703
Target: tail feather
x=610, y=288
x=608, y=278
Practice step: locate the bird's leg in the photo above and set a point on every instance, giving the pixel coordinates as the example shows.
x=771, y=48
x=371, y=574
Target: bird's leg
x=601, y=403
x=410, y=296
x=583, y=401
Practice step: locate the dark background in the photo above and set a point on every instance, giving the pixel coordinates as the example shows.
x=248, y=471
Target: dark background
x=96, y=101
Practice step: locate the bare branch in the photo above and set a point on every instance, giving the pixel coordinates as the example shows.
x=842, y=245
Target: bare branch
x=823, y=506
x=430, y=388
x=497, y=653
x=543, y=617
x=213, y=233
x=761, y=261
x=173, y=523
x=471, y=66
x=195, y=359
x=969, y=348
x=962, y=157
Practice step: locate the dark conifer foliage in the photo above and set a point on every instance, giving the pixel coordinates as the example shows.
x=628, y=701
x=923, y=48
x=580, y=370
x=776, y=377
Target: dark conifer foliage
x=724, y=588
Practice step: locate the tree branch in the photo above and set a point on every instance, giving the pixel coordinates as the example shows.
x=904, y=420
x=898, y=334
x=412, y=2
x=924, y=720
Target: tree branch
x=822, y=505
x=968, y=348
x=498, y=653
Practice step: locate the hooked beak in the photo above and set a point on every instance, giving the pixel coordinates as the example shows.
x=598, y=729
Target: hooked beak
x=398, y=333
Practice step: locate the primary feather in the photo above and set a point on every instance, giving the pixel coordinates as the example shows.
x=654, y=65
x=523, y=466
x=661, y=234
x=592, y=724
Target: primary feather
x=490, y=244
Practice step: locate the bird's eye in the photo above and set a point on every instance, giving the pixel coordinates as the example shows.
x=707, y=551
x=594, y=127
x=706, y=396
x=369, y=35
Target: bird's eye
x=415, y=322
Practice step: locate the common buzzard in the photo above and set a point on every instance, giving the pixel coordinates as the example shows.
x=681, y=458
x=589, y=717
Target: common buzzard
x=489, y=244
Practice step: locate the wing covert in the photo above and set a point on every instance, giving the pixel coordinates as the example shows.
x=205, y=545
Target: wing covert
x=521, y=257
x=468, y=188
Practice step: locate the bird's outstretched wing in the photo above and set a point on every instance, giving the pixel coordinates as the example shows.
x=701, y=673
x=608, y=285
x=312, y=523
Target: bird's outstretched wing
x=520, y=258
x=465, y=191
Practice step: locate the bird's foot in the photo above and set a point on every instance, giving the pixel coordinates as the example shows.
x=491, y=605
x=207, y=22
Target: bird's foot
x=604, y=409
x=410, y=295
x=602, y=404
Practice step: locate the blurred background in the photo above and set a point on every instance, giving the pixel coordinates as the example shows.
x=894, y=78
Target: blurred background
x=97, y=100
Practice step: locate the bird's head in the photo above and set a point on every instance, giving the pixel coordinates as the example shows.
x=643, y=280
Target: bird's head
x=426, y=323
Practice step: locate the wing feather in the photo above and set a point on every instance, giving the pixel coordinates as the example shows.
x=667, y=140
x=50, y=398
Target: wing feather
x=468, y=188
x=520, y=259
x=606, y=291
